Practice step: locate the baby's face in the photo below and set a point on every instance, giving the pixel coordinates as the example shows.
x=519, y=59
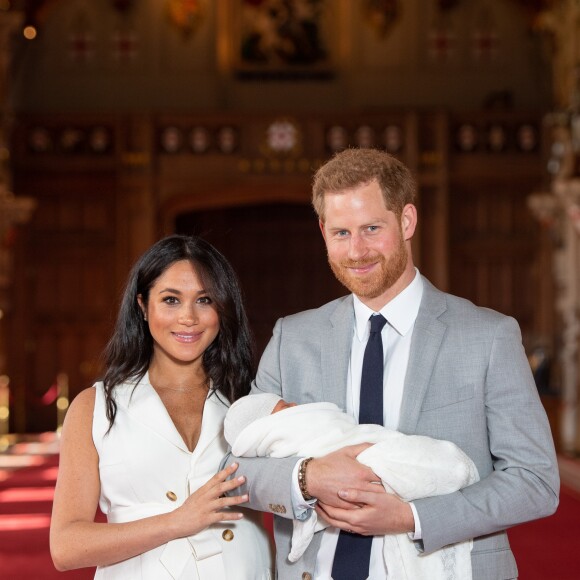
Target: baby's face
x=281, y=405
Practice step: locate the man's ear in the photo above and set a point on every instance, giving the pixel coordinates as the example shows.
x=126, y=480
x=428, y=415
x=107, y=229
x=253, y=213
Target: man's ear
x=408, y=221
x=321, y=226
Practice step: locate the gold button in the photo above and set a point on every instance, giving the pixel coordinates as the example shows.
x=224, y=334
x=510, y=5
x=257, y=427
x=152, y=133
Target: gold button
x=306, y=576
x=228, y=535
x=171, y=496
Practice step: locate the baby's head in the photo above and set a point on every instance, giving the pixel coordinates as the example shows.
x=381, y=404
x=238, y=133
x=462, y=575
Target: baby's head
x=281, y=405
x=249, y=409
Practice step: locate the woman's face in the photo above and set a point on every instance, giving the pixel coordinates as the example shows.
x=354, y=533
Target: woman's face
x=183, y=320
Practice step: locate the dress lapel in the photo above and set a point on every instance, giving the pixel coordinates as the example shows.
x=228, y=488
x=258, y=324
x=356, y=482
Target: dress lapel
x=425, y=344
x=336, y=345
x=143, y=404
x=214, y=411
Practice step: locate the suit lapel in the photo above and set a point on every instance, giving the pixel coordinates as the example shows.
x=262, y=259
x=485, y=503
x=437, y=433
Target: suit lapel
x=335, y=353
x=425, y=344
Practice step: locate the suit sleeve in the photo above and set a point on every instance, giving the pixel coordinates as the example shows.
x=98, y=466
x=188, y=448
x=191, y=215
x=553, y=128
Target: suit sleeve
x=268, y=481
x=524, y=483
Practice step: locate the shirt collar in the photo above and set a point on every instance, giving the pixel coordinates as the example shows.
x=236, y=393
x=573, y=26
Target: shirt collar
x=401, y=312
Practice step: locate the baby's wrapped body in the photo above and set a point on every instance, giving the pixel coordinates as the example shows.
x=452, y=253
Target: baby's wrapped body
x=410, y=466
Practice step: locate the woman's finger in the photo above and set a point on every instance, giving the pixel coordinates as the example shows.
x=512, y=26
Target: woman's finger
x=226, y=486
x=221, y=477
x=228, y=516
x=224, y=502
x=225, y=472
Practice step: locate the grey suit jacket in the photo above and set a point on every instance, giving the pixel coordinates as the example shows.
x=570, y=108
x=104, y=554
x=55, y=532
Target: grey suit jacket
x=468, y=381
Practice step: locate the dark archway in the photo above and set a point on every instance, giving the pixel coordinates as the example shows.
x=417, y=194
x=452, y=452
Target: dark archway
x=278, y=253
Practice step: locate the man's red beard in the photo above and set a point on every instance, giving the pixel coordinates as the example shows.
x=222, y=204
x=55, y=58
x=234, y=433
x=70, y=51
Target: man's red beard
x=379, y=280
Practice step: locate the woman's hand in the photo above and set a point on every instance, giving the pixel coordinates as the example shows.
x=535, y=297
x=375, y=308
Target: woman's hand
x=206, y=505
x=77, y=541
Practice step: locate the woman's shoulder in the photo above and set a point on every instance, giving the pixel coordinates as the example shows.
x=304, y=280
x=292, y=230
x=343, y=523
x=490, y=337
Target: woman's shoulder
x=80, y=411
x=84, y=400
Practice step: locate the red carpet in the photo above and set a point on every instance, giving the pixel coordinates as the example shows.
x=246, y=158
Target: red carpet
x=27, y=478
x=547, y=549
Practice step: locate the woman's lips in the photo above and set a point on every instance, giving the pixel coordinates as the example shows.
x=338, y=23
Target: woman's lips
x=186, y=337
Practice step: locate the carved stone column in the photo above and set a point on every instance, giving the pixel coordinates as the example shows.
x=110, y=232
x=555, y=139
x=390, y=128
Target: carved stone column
x=559, y=208
x=560, y=211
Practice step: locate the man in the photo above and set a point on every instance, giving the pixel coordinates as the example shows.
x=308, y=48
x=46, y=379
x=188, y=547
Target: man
x=447, y=369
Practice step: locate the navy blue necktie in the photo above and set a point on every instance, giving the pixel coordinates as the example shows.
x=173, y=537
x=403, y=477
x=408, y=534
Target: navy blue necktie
x=353, y=551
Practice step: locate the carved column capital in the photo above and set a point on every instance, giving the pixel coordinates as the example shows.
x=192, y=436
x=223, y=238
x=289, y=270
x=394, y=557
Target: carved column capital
x=560, y=21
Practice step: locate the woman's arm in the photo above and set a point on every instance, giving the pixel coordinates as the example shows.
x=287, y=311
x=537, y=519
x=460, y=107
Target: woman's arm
x=77, y=541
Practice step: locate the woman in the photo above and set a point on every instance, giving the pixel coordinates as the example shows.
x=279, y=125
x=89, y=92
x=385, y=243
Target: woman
x=146, y=442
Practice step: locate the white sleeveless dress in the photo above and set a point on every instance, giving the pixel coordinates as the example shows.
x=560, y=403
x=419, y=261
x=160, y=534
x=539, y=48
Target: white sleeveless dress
x=146, y=469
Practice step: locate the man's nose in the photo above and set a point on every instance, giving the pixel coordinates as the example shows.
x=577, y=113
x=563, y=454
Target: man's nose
x=357, y=248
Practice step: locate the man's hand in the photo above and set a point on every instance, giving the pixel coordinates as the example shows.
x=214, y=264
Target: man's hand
x=325, y=476
x=351, y=497
x=380, y=513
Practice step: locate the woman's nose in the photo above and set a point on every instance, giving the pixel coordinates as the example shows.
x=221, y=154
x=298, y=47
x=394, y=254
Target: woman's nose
x=188, y=317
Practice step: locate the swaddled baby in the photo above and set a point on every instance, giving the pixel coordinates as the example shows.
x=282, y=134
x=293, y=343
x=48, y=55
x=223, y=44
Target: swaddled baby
x=410, y=466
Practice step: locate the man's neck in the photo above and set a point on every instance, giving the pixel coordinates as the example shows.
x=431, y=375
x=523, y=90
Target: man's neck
x=379, y=302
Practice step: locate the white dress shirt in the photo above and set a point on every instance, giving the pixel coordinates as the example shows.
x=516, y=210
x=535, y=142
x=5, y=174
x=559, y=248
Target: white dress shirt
x=400, y=313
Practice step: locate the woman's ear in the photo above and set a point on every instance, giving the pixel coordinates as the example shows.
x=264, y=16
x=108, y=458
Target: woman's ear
x=142, y=306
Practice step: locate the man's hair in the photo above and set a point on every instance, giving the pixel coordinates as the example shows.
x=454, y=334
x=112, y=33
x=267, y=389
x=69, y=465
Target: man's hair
x=355, y=167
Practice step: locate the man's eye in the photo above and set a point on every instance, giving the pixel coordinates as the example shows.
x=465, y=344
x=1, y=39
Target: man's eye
x=373, y=228
x=342, y=233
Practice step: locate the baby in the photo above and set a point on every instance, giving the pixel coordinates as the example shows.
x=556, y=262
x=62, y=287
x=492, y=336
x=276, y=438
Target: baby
x=411, y=466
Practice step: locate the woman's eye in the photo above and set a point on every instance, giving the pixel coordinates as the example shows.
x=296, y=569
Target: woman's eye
x=170, y=300
x=204, y=300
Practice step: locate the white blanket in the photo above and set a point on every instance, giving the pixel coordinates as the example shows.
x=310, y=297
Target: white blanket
x=411, y=466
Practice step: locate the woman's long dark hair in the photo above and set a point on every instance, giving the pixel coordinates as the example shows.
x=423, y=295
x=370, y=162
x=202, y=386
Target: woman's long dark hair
x=228, y=361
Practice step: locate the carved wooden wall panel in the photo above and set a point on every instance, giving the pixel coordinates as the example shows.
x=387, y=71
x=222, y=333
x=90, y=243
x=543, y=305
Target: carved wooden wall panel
x=103, y=201
x=493, y=236
x=66, y=292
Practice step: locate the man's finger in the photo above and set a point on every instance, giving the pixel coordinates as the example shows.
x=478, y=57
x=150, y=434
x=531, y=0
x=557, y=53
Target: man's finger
x=361, y=497
x=339, y=514
x=355, y=450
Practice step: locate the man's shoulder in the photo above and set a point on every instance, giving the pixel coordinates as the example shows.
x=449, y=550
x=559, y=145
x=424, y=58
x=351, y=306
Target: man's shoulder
x=463, y=306
x=458, y=308
x=320, y=314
